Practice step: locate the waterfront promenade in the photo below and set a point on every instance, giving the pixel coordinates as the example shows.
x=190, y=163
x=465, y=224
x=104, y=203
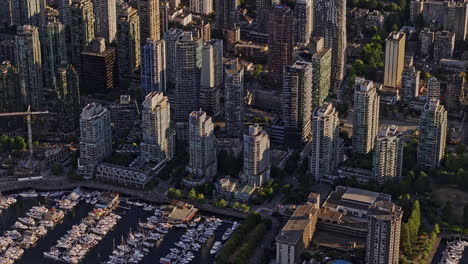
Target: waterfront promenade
x=156, y=195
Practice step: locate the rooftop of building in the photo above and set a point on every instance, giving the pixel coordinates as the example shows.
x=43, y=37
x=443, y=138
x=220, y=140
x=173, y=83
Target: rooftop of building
x=396, y=35
x=385, y=210
x=293, y=231
x=98, y=48
x=92, y=110
x=387, y=131
x=353, y=198
x=323, y=110
x=181, y=211
x=233, y=66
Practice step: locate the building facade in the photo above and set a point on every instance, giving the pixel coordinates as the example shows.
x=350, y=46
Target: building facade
x=10, y=96
x=128, y=41
x=280, y=40
x=433, y=133
x=394, y=58
x=202, y=150
x=383, y=233
x=211, y=77
x=153, y=67
x=257, y=164
x=53, y=52
x=330, y=23
x=187, y=61
x=95, y=138
x=426, y=42
x=68, y=98
x=158, y=137
x=170, y=38
x=29, y=64
x=444, y=45
x=150, y=27
x=296, y=235
x=226, y=14
x=203, y=7
x=303, y=15
x=366, y=116
x=409, y=84
x=321, y=71
x=297, y=95
x=28, y=12
x=82, y=26
x=433, y=89
x=99, y=67
x=105, y=12
x=234, y=98
x=387, y=162
x=325, y=134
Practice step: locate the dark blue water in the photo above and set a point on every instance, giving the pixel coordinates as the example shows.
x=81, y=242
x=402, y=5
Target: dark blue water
x=101, y=252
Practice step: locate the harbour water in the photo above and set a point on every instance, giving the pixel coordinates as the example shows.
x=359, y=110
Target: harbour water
x=102, y=251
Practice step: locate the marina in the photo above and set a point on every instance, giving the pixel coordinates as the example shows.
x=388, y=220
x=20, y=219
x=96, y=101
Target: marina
x=133, y=232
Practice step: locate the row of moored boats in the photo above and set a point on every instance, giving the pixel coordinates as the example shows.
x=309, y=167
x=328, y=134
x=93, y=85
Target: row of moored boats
x=27, y=230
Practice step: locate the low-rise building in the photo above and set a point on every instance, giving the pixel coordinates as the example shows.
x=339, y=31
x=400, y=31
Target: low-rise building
x=296, y=234
x=57, y=155
x=179, y=213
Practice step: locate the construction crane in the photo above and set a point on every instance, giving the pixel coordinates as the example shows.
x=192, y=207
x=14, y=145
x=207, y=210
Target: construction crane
x=28, y=115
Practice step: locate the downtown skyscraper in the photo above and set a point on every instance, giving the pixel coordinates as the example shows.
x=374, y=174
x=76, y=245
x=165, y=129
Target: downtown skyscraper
x=366, y=116
x=303, y=15
x=68, y=97
x=128, y=40
x=325, y=136
x=257, y=164
x=226, y=14
x=10, y=99
x=28, y=12
x=188, y=55
x=29, y=63
x=105, y=19
x=150, y=27
x=383, y=233
x=170, y=39
x=82, y=27
x=394, y=58
x=234, y=97
x=95, y=138
x=297, y=98
x=202, y=150
x=54, y=52
x=330, y=23
x=433, y=134
x=211, y=78
x=280, y=40
x=321, y=70
x=387, y=162
x=158, y=137
x=153, y=66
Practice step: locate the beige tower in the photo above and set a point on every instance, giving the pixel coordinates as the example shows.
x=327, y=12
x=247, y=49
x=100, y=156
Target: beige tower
x=150, y=21
x=394, y=58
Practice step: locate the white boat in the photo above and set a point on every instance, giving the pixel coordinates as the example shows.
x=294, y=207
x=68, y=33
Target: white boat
x=216, y=247
x=94, y=201
x=148, y=208
x=138, y=204
x=227, y=234
x=29, y=194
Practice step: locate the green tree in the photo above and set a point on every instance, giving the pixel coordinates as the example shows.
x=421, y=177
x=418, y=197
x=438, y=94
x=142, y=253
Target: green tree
x=436, y=229
x=405, y=245
x=222, y=203
x=19, y=143
x=201, y=198
x=56, y=169
x=192, y=195
x=177, y=194
x=244, y=208
x=236, y=205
